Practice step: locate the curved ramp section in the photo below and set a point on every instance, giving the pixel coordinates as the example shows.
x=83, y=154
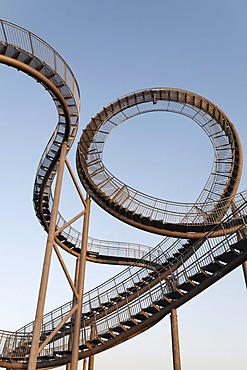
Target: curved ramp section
x=146, y=212
x=25, y=51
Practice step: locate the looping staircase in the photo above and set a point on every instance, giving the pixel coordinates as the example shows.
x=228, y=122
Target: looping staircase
x=158, y=279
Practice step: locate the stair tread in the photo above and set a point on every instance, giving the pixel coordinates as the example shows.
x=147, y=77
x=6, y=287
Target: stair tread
x=199, y=277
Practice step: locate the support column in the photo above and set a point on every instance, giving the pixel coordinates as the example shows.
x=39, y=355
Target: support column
x=244, y=265
x=81, y=278
x=240, y=235
x=76, y=277
x=91, y=363
x=175, y=340
x=85, y=364
x=91, y=358
x=47, y=262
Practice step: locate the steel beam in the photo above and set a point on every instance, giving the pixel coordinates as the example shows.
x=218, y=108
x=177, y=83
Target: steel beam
x=80, y=287
x=47, y=262
x=175, y=340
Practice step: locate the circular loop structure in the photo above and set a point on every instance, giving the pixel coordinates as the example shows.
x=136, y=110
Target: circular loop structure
x=146, y=212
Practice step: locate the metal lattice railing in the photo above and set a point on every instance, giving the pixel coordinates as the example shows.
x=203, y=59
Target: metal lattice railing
x=207, y=253
x=35, y=46
x=213, y=201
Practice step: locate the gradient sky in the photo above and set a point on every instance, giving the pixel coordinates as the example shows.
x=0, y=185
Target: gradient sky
x=113, y=49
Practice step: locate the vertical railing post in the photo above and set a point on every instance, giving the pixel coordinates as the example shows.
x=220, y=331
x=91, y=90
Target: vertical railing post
x=175, y=340
x=55, y=61
x=31, y=43
x=81, y=278
x=47, y=262
x=4, y=33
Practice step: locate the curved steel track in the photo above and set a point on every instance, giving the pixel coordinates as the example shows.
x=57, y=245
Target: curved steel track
x=204, y=241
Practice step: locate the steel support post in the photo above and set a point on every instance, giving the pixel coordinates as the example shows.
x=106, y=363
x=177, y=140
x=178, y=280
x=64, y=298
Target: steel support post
x=240, y=236
x=46, y=263
x=81, y=278
x=175, y=340
x=91, y=363
x=91, y=358
x=77, y=265
x=244, y=265
x=85, y=364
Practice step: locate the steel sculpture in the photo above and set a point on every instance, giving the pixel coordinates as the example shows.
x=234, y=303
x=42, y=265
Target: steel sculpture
x=204, y=241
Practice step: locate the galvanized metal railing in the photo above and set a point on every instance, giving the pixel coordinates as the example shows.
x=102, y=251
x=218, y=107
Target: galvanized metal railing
x=202, y=256
x=106, y=188
x=35, y=46
x=210, y=251
x=21, y=43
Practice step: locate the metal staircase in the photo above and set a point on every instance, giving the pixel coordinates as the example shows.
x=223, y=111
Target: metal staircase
x=206, y=240
x=131, y=302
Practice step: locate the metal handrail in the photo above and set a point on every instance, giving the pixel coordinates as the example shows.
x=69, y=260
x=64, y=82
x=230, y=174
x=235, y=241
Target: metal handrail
x=34, y=45
x=203, y=256
x=17, y=344
x=125, y=279
x=113, y=194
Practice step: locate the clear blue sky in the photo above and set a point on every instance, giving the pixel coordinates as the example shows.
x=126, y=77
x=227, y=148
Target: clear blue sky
x=115, y=48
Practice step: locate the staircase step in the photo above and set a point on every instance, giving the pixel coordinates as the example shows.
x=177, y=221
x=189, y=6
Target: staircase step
x=153, y=273
x=77, y=250
x=46, y=358
x=212, y=267
x=146, y=278
x=187, y=286
x=62, y=352
x=118, y=329
x=16, y=54
x=175, y=294
x=69, y=244
x=129, y=214
x=151, y=309
x=83, y=346
x=199, y=277
x=186, y=246
x=227, y=256
x=25, y=58
x=106, y=304
x=140, y=283
x=61, y=237
x=10, y=51
x=129, y=323
x=162, y=302
x=145, y=221
x=136, y=217
x=141, y=316
x=116, y=299
x=108, y=335
x=3, y=48
x=131, y=289
x=171, y=260
x=98, y=309
x=96, y=341
x=156, y=223
x=241, y=245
